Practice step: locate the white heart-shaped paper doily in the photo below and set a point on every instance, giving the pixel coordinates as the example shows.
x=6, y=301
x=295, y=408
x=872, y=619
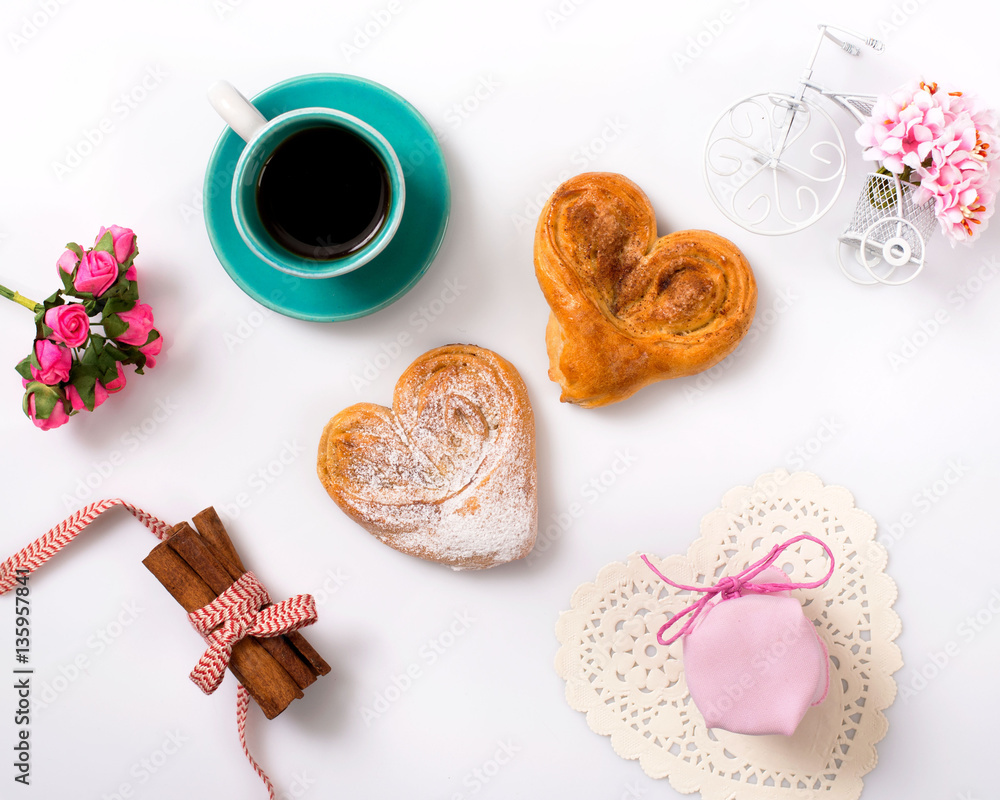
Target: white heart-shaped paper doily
x=633, y=689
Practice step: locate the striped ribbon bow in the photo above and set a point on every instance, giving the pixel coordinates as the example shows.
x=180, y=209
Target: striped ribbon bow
x=236, y=613
x=240, y=612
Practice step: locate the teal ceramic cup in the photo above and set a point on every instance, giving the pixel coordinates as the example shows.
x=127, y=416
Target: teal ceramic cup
x=262, y=137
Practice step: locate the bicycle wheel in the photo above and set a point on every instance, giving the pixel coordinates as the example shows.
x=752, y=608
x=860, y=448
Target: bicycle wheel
x=896, y=243
x=852, y=272
x=774, y=164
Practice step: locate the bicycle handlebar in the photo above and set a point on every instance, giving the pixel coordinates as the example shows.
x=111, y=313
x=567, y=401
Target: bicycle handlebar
x=847, y=47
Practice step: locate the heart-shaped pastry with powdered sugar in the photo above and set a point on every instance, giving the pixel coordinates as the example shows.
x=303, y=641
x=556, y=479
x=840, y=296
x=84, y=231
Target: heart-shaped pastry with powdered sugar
x=448, y=473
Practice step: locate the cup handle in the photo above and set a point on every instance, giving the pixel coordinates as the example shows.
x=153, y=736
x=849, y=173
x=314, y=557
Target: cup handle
x=238, y=112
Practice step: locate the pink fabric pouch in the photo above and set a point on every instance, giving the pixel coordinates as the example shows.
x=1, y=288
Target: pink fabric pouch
x=754, y=663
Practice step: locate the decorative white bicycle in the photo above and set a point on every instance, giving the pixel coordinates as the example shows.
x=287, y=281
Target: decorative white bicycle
x=888, y=233
x=774, y=162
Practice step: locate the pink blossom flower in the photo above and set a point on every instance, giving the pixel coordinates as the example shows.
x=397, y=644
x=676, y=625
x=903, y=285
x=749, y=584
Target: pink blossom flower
x=97, y=273
x=100, y=395
x=152, y=350
x=70, y=324
x=983, y=119
x=56, y=417
x=944, y=143
x=118, y=383
x=903, y=128
x=54, y=362
x=123, y=240
x=963, y=210
x=139, y=319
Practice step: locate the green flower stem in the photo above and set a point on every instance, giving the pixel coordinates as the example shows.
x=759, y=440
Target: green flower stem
x=20, y=299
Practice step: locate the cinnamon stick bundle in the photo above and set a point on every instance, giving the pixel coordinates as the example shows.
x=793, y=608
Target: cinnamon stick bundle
x=196, y=566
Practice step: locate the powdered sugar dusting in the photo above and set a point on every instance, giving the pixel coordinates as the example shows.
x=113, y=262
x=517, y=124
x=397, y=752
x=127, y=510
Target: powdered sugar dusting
x=449, y=473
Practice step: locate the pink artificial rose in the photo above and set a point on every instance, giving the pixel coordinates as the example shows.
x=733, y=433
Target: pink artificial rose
x=123, y=240
x=139, y=319
x=152, y=350
x=70, y=324
x=100, y=395
x=98, y=272
x=67, y=261
x=54, y=420
x=54, y=362
x=118, y=383
x=131, y=274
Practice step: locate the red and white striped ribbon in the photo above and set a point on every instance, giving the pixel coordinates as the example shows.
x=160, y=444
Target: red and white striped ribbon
x=43, y=548
x=239, y=614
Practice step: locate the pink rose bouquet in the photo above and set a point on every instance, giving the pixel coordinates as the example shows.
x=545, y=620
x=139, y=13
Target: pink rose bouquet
x=945, y=144
x=87, y=331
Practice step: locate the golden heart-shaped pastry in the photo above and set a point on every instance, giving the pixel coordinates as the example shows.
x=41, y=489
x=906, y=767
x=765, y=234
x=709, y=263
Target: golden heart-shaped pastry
x=628, y=308
x=448, y=473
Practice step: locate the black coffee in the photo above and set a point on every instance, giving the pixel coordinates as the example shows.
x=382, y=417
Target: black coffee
x=324, y=193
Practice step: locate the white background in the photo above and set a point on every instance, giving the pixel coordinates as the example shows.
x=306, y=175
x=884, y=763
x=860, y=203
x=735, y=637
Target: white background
x=234, y=407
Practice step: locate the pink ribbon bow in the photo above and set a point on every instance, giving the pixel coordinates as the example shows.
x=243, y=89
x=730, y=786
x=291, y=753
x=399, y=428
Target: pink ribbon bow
x=732, y=586
x=237, y=613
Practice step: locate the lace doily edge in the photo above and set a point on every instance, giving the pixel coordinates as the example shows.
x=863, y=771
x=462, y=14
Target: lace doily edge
x=886, y=592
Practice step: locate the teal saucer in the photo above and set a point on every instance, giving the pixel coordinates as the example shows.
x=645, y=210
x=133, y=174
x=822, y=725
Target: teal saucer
x=395, y=270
